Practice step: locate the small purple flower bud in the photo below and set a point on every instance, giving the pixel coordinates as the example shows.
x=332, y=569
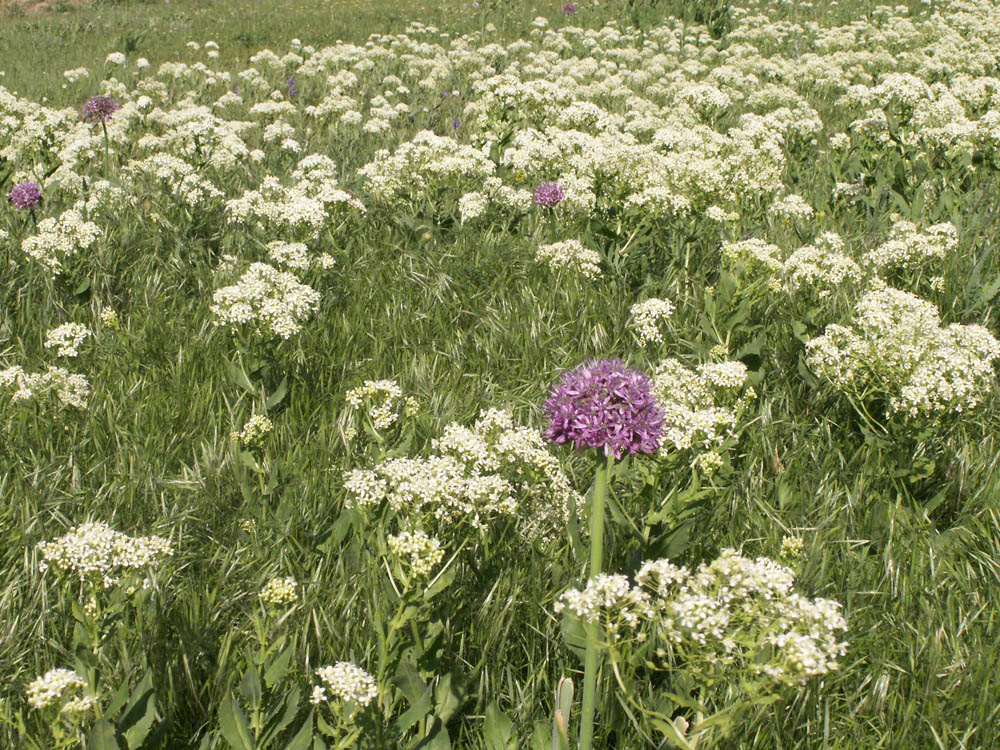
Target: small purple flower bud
x=549, y=194
x=25, y=195
x=456, y=124
x=292, y=91
x=569, y=9
x=100, y=108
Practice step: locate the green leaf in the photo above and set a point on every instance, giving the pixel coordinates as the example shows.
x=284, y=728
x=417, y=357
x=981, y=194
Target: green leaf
x=409, y=682
x=303, y=738
x=415, y=713
x=279, y=394
x=443, y=581
x=497, y=729
x=140, y=713
x=82, y=287
x=103, y=737
x=281, y=716
x=278, y=668
x=250, y=687
x=449, y=696
x=235, y=729
x=239, y=377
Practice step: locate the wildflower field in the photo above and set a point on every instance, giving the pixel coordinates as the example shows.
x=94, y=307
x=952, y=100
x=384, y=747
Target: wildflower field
x=500, y=375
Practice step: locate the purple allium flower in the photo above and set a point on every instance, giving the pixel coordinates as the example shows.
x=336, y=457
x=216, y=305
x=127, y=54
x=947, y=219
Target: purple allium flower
x=569, y=9
x=603, y=404
x=99, y=108
x=549, y=194
x=25, y=195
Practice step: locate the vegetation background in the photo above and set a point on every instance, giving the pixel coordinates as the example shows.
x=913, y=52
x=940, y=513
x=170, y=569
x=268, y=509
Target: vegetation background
x=909, y=543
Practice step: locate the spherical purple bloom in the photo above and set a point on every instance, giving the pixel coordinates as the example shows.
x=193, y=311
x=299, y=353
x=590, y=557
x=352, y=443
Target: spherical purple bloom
x=25, y=195
x=549, y=194
x=100, y=108
x=603, y=404
x=569, y=9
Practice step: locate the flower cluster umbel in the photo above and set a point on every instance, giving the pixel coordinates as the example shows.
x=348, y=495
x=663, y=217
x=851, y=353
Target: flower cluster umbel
x=731, y=613
x=602, y=404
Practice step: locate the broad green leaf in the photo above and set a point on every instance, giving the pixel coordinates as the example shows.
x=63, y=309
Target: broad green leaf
x=279, y=394
x=278, y=669
x=497, y=729
x=235, y=729
x=302, y=738
x=139, y=713
x=103, y=737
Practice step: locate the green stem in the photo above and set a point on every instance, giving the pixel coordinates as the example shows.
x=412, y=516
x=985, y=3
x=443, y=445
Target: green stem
x=591, y=661
x=105, y=129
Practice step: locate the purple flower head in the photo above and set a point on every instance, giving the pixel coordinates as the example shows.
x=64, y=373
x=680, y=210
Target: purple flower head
x=25, y=195
x=549, y=194
x=456, y=124
x=99, y=108
x=569, y=9
x=292, y=91
x=602, y=404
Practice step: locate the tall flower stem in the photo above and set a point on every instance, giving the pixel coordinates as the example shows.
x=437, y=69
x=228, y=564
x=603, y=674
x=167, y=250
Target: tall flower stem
x=104, y=127
x=591, y=662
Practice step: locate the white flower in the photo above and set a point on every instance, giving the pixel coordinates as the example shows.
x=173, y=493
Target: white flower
x=645, y=316
x=570, y=255
x=53, y=687
x=348, y=683
x=266, y=299
x=280, y=591
x=66, y=338
x=96, y=552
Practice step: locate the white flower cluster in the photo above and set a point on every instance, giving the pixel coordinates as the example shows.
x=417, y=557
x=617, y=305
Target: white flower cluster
x=572, y=256
x=421, y=552
x=755, y=254
x=97, y=553
x=493, y=469
x=60, y=239
x=60, y=686
x=301, y=209
x=791, y=208
x=346, y=682
x=269, y=300
x=383, y=399
x=109, y=318
x=71, y=389
x=897, y=350
x=700, y=406
x=645, y=316
x=280, y=591
x=253, y=432
x=295, y=255
x=909, y=248
x=76, y=74
x=820, y=268
x=184, y=181
x=732, y=612
x=424, y=167
x=66, y=338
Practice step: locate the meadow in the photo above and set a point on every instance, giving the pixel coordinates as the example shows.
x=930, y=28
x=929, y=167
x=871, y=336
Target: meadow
x=503, y=375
